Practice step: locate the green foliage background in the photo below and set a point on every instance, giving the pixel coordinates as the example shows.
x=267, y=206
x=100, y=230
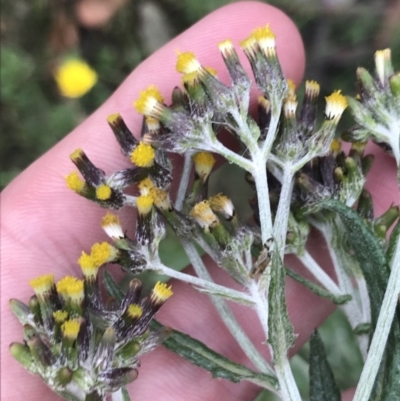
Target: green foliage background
x=338, y=35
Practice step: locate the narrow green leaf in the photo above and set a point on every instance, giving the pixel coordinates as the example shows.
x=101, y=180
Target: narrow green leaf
x=218, y=365
x=368, y=252
x=375, y=268
x=323, y=386
x=281, y=334
x=316, y=289
x=112, y=286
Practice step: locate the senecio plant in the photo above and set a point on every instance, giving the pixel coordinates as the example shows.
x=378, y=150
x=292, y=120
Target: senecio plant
x=87, y=346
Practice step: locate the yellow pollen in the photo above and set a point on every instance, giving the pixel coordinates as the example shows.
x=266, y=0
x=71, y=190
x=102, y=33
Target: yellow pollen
x=248, y=43
x=262, y=33
x=74, y=182
x=187, y=63
x=103, y=253
x=335, y=105
x=42, y=284
x=103, y=192
x=60, y=316
x=88, y=265
x=70, y=287
x=148, y=99
x=203, y=214
x=113, y=118
x=203, y=164
x=145, y=186
x=76, y=154
x=222, y=204
x=312, y=88
x=134, y=311
x=160, y=198
x=110, y=218
x=225, y=46
x=75, y=78
x=144, y=204
x=336, y=146
x=162, y=292
x=70, y=329
x=143, y=155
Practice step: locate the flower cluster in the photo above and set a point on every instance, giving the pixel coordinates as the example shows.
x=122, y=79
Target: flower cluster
x=85, y=348
x=82, y=347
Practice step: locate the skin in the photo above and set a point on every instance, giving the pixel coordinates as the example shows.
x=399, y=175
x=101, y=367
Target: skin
x=45, y=226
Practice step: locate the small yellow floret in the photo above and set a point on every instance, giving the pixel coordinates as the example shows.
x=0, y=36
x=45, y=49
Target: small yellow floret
x=103, y=253
x=88, y=265
x=222, y=204
x=70, y=287
x=161, y=198
x=70, y=329
x=112, y=226
x=262, y=33
x=203, y=164
x=264, y=103
x=203, y=214
x=161, y=292
x=144, y=204
x=191, y=79
x=60, y=316
x=212, y=71
x=103, y=192
x=76, y=154
x=249, y=44
x=187, y=63
x=42, y=284
x=113, y=118
x=226, y=47
x=74, y=182
x=143, y=155
x=312, y=89
x=134, y=311
x=336, y=145
x=75, y=78
x=145, y=186
x=335, y=105
x=148, y=100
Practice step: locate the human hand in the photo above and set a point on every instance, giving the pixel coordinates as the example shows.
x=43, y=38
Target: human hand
x=45, y=226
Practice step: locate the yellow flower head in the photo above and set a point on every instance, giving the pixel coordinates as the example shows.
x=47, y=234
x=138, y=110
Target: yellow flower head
x=312, y=89
x=226, y=47
x=145, y=186
x=336, y=146
x=42, y=284
x=204, y=216
x=265, y=39
x=88, y=265
x=187, y=63
x=149, y=102
x=60, y=316
x=103, y=253
x=144, y=204
x=134, y=311
x=103, y=192
x=203, y=164
x=143, y=155
x=70, y=329
x=75, y=78
x=71, y=288
x=75, y=182
x=112, y=226
x=335, y=106
x=161, y=198
x=161, y=292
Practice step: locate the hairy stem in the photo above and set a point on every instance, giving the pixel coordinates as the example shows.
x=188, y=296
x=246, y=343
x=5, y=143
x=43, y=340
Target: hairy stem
x=226, y=314
x=382, y=330
x=184, y=182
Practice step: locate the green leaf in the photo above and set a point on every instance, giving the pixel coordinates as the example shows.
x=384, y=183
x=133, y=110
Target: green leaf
x=218, y=365
x=112, y=286
x=281, y=334
x=375, y=268
x=368, y=252
x=323, y=386
x=316, y=289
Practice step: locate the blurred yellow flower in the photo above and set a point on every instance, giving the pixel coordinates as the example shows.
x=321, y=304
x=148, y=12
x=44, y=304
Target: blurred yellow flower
x=75, y=78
